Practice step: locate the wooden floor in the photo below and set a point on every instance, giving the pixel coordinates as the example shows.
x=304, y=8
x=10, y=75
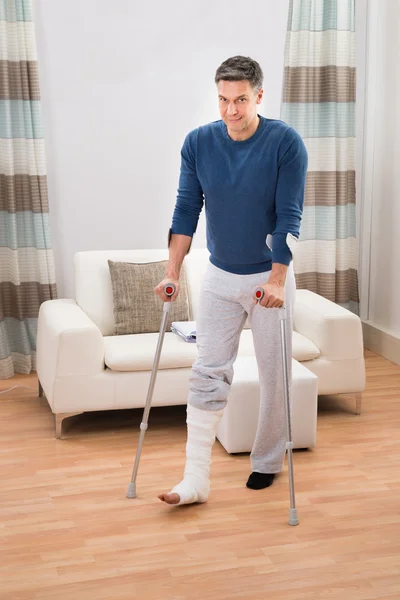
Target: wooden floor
x=68, y=531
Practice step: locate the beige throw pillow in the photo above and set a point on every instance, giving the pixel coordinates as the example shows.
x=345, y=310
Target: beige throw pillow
x=136, y=308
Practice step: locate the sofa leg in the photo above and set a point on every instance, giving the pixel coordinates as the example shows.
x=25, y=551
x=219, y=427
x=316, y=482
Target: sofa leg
x=358, y=398
x=40, y=390
x=59, y=421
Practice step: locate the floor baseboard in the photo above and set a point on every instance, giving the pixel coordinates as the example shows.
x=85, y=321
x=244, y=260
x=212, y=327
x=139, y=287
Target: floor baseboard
x=381, y=342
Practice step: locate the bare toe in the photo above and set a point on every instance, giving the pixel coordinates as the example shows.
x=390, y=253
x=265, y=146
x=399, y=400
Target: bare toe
x=170, y=498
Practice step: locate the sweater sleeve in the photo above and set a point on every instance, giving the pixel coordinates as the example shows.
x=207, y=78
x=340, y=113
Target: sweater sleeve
x=190, y=198
x=289, y=196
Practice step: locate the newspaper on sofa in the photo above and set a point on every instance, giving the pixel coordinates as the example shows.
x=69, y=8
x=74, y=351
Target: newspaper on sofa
x=185, y=329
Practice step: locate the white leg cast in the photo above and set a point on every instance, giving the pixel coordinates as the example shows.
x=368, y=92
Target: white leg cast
x=201, y=428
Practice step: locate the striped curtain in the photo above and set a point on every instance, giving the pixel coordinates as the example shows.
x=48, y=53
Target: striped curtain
x=319, y=102
x=27, y=276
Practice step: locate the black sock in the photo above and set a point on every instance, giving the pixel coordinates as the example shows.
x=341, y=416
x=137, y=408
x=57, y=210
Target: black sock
x=259, y=481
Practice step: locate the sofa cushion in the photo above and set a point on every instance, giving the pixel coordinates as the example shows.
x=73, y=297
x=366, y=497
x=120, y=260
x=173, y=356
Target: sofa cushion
x=136, y=352
x=303, y=348
x=136, y=308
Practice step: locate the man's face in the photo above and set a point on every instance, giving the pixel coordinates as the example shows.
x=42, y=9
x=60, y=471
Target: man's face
x=238, y=104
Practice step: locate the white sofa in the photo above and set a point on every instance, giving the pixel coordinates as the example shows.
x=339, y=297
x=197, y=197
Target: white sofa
x=82, y=366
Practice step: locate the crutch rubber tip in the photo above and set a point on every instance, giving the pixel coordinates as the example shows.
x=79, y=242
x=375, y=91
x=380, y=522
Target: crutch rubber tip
x=293, y=518
x=131, y=493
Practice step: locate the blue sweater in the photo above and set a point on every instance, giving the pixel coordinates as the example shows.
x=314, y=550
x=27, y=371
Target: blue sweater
x=250, y=189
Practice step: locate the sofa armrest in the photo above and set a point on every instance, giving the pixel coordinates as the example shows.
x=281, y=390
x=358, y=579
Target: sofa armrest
x=68, y=343
x=336, y=331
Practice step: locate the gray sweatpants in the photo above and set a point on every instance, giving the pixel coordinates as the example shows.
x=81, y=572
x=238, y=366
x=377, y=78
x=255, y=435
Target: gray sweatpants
x=225, y=302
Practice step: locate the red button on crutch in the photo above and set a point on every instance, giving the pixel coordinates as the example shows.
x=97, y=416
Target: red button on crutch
x=169, y=290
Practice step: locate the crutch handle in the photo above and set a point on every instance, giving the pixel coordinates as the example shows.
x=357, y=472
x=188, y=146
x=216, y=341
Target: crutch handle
x=259, y=294
x=169, y=289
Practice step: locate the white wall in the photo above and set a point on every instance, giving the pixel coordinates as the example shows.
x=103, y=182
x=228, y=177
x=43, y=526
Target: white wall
x=381, y=173
x=122, y=83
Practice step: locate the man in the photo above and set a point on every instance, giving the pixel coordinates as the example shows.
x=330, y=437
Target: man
x=250, y=173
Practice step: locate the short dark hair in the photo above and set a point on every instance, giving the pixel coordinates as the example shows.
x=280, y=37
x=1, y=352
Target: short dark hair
x=240, y=68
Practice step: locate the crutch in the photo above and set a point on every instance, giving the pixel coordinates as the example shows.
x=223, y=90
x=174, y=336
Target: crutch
x=293, y=517
x=169, y=290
